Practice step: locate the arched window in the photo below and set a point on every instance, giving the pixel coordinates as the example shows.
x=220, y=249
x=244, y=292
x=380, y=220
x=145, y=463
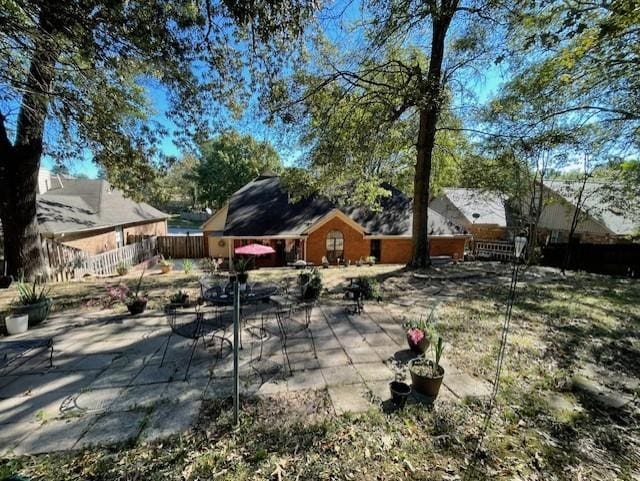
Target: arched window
x=335, y=246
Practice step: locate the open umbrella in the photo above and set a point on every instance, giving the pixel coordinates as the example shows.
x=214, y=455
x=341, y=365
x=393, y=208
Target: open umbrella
x=254, y=250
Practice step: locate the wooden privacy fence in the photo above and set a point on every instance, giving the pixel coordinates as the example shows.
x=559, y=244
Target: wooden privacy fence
x=67, y=262
x=616, y=259
x=492, y=249
x=182, y=246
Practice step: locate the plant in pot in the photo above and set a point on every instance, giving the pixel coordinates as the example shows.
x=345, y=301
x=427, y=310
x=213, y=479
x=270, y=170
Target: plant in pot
x=420, y=332
x=135, y=301
x=241, y=268
x=165, y=265
x=310, y=284
x=34, y=301
x=180, y=298
x=427, y=374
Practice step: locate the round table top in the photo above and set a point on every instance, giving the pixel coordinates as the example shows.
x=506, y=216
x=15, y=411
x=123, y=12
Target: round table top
x=254, y=293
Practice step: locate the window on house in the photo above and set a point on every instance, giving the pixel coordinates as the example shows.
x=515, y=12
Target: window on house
x=119, y=237
x=556, y=237
x=335, y=246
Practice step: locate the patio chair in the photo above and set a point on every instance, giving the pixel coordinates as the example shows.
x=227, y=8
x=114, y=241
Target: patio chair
x=293, y=320
x=191, y=324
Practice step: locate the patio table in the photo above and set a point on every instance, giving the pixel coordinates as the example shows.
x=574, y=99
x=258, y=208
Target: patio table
x=255, y=293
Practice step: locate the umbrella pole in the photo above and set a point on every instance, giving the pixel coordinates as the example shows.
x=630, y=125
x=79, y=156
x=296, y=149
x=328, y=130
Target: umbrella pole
x=236, y=339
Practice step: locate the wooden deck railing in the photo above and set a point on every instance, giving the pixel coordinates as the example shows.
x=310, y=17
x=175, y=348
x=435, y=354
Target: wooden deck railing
x=66, y=262
x=492, y=249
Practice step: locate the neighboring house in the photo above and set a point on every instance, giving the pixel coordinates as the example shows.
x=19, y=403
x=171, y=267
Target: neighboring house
x=605, y=217
x=482, y=213
x=314, y=227
x=91, y=215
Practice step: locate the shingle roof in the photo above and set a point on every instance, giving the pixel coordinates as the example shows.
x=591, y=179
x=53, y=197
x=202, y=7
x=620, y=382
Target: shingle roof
x=602, y=201
x=83, y=204
x=488, y=207
x=263, y=208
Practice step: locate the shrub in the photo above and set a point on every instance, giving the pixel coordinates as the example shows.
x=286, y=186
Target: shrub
x=187, y=265
x=370, y=287
x=310, y=284
x=122, y=269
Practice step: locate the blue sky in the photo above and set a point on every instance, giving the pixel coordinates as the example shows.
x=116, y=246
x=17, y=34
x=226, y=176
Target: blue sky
x=483, y=87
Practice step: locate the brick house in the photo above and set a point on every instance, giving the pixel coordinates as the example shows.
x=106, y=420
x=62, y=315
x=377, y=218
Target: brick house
x=92, y=215
x=481, y=213
x=314, y=227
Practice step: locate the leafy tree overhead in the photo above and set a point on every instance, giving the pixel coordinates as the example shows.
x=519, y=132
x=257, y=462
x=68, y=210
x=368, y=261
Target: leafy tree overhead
x=228, y=162
x=351, y=139
x=80, y=72
x=403, y=65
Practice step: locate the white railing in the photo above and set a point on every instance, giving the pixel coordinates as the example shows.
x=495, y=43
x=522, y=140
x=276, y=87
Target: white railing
x=66, y=262
x=106, y=263
x=492, y=249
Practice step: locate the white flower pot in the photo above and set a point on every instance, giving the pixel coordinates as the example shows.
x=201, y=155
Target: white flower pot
x=17, y=324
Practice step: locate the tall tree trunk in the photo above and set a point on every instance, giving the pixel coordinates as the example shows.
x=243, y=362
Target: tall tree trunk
x=20, y=161
x=429, y=114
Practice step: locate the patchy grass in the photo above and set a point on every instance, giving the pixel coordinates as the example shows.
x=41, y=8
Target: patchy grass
x=91, y=292
x=541, y=428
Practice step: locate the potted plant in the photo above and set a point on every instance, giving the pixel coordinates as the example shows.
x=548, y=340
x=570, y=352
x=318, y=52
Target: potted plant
x=400, y=391
x=310, y=284
x=180, y=298
x=420, y=332
x=427, y=374
x=16, y=323
x=135, y=301
x=241, y=268
x=165, y=265
x=34, y=301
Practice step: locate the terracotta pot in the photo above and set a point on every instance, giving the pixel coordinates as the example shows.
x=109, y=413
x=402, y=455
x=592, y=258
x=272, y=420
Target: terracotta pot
x=426, y=385
x=421, y=347
x=165, y=269
x=137, y=307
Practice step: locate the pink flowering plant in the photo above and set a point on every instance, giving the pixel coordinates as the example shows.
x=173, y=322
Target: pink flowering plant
x=419, y=330
x=122, y=293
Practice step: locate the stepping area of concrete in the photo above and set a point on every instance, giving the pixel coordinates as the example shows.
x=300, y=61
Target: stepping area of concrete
x=107, y=384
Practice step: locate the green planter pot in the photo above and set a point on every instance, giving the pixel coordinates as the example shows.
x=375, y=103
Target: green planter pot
x=36, y=312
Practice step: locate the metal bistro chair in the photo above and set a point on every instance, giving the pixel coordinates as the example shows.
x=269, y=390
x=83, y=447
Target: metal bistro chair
x=191, y=324
x=293, y=320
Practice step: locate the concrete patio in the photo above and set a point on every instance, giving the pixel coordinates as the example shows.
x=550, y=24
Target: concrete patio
x=107, y=386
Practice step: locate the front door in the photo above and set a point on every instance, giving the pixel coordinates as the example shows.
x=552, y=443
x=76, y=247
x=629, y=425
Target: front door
x=376, y=249
x=281, y=255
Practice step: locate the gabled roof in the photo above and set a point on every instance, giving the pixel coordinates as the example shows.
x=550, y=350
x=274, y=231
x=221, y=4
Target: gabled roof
x=475, y=206
x=263, y=208
x=85, y=204
x=603, y=202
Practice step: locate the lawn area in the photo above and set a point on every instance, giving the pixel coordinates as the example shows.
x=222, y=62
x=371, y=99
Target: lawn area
x=564, y=328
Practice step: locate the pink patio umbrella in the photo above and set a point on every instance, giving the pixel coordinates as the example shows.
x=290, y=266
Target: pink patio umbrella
x=254, y=250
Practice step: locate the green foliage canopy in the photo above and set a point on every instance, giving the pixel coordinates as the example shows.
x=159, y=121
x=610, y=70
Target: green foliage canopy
x=228, y=162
